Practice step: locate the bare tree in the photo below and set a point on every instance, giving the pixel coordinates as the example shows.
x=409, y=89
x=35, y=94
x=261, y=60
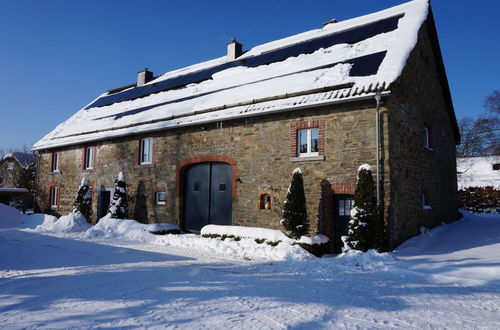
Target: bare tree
x=481, y=137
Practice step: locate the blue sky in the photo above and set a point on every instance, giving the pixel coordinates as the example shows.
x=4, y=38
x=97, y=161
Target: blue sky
x=57, y=56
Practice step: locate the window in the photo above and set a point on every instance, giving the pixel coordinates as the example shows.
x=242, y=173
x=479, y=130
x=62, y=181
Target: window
x=56, y=162
x=89, y=158
x=54, y=197
x=160, y=198
x=307, y=142
x=425, y=202
x=427, y=138
x=345, y=206
x=146, y=152
x=496, y=167
x=9, y=165
x=265, y=201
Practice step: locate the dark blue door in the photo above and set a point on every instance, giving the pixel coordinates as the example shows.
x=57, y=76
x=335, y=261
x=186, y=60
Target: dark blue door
x=207, y=195
x=342, y=213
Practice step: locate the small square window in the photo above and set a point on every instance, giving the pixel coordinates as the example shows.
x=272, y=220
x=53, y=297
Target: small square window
x=196, y=186
x=9, y=165
x=222, y=187
x=160, y=197
x=307, y=142
x=496, y=167
x=265, y=202
x=146, y=152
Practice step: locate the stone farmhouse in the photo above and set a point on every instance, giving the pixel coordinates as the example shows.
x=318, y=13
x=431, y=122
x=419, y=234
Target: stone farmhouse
x=216, y=142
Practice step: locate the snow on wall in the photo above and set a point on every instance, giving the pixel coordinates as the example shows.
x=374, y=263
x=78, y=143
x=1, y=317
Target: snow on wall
x=243, y=84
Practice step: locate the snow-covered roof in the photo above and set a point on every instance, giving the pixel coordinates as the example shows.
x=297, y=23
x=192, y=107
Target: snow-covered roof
x=478, y=172
x=23, y=158
x=341, y=61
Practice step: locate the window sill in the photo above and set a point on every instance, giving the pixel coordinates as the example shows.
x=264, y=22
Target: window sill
x=55, y=172
x=87, y=170
x=428, y=148
x=145, y=166
x=308, y=158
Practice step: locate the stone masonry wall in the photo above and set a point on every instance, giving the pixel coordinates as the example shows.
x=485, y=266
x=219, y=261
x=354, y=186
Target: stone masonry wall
x=259, y=146
x=418, y=100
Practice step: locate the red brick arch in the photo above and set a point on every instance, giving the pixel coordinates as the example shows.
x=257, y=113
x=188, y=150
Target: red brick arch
x=205, y=159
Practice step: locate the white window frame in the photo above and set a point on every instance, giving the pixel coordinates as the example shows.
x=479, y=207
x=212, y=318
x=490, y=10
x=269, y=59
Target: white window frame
x=56, y=161
x=146, y=155
x=427, y=138
x=309, y=142
x=54, y=197
x=89, y=158
x=157, y=197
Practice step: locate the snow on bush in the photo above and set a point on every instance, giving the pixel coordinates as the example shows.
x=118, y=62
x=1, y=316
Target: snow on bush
x=317, y=245
x=83, y=201
x=72, y=222
x=119, y=205
x=109, y=227
x=269, y=235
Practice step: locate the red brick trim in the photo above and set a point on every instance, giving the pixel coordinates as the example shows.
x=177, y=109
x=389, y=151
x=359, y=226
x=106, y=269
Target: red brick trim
x=51, y=165
x=326, y=213
x=294, y=127
x=346, y=187
x=50, y=186
x=179, y=181
x=259, y=200
x=84, y=156
x=91, y=185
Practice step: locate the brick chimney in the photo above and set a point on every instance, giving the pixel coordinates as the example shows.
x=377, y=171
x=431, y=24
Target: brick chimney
x=144, y=77
x=234, y=50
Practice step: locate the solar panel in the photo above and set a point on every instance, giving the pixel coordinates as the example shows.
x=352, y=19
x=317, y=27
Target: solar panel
x=308, y=47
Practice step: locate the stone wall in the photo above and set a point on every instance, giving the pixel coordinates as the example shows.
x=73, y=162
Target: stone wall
x=418, y=100
x=260, y=148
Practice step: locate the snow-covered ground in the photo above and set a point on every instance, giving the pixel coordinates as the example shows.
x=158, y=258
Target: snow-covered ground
x=446, y=278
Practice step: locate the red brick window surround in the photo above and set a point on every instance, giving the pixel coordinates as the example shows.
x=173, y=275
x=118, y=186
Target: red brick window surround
x=55, y=161
x=88, y=157
x=265, y=200
x=54, y=195
x=146, y=151
x=312, y=134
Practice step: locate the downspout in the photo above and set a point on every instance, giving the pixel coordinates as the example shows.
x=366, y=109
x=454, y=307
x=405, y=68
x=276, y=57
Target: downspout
x=377, y=134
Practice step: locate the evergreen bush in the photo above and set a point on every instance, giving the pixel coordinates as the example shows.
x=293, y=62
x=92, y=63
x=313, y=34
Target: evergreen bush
x=119, y=206
x=295, y=218
x=366, y=226
x=83, y=202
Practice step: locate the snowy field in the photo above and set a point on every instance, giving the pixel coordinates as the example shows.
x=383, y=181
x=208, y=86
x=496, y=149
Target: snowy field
x=446, y=278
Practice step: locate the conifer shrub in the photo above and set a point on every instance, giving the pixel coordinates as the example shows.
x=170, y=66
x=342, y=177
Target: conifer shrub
x=295, y=218
x=119, y=205
x=366, y=226
x=83, y=199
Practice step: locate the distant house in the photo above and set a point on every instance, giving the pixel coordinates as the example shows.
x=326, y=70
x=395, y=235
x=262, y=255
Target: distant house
x=478, y=172
x=13, y=167
x=216, y=142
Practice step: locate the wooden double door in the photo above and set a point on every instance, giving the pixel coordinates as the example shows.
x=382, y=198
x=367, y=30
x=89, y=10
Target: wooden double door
x=207, y=195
